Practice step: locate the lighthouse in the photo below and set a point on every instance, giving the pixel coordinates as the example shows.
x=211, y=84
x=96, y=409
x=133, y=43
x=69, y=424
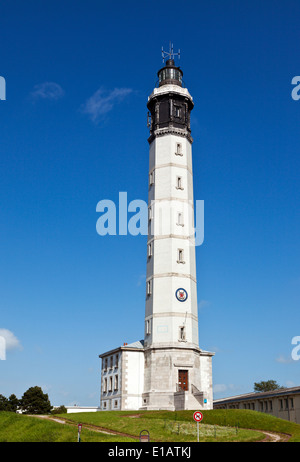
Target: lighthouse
x=167, y=369
x=177, y=372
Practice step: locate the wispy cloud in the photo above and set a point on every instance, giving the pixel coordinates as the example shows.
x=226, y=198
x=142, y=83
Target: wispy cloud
x=222, y=388
x=47, y=90
x=284, y=360
x=203, y=304
x=11, y=341
x=102, y=102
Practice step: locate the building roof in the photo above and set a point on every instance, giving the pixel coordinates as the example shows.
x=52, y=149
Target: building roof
x=259, y=395
x=138, y=345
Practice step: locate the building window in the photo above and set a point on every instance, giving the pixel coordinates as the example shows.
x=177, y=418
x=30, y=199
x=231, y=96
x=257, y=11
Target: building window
x=178, y=151
x=116, y=382
x=104, y=405
x=117, y=362
x=105, y=364
x=271, y=405
x=280, y=404
x=151, y=178
x=266, y=406
x=182, y=336
x=111, y=362
x=180, y=256
x=150, y=250
x=286, y=403
x=179, y=183
x=105, y=386
x=180, y=219
x=148, y=327
x=177, y=111
x=149, y=287
x=110, y=384
x=116, y=403
x=150, y=213
x=292, y=403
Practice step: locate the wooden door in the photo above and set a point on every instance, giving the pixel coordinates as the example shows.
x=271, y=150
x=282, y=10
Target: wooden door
x=183, y=380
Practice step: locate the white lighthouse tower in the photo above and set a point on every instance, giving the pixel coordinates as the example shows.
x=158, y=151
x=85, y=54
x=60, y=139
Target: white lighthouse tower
x=168, y=369
x=177, y=373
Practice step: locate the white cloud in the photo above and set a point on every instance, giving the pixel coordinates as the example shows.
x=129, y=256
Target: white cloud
x=11, y=341
x=203, y=304
x=47, y=90
x=103, y=102
x=283, y=360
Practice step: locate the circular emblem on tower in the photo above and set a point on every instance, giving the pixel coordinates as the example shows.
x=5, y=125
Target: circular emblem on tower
x=181, y=295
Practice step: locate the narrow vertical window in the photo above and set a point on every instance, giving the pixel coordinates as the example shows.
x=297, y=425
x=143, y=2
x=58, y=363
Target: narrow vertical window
x=105, y=386
x=150, y=250
x=182, y=333
x=148, y=327
x=180, y=219
x=180, y=256
x=179, y=182
x=116, y=382
x=149, y=287
x=151, y=178
x=117, y=361
x=110, y=384
x=178, y=151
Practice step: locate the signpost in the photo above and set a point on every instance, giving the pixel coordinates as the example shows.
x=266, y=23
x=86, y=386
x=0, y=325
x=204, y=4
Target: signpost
x=79, y=431
x=197, y=416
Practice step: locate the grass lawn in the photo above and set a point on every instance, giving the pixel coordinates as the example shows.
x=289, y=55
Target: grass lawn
x=22, y=428
x=165, y=426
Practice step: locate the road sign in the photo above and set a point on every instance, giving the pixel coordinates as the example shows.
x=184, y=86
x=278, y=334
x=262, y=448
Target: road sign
x=198, y=416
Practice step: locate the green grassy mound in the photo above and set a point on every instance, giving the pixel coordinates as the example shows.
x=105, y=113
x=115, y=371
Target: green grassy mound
x=22, y=428
x=168, y=426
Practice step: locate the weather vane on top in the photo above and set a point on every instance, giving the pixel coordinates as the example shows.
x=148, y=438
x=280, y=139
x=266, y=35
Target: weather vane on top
x=170, y=54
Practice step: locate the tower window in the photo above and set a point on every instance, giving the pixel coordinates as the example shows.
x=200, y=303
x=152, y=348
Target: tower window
x=150, y=250
x=180, y=256
x=182, y=334
x=148, y=327
x=149, y=287
x=180, y=219
x=150, y=213
x=177, y=110
x=179, y=182
x=151, y=178
x=178, y=151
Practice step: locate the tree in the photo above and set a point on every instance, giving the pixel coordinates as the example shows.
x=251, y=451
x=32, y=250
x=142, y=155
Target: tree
x=4, y=403
x=14, y=403
x=59, y=410
x=34, y=401
x=269, y=385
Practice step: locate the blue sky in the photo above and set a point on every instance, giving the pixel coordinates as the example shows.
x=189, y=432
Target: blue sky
x=74, y=131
